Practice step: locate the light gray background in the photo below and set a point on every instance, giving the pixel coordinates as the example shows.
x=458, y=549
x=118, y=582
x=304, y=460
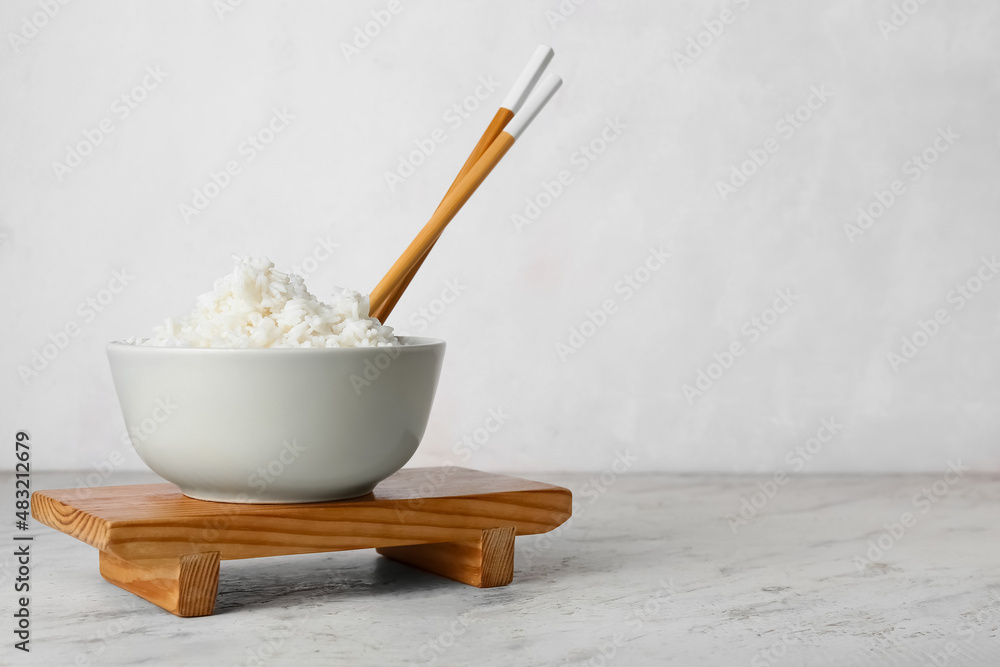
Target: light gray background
x=685, y=127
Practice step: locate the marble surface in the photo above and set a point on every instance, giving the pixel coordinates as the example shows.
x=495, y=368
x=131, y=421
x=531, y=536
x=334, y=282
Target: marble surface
x=652, y=569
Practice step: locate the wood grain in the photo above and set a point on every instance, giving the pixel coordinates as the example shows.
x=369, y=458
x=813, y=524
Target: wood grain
x=184, y=586
x=165, y=547
x=485, y=562
x=492, y=131
x=439, y=220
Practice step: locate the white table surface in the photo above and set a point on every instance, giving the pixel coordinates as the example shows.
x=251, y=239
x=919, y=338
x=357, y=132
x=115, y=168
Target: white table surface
x=649, y=571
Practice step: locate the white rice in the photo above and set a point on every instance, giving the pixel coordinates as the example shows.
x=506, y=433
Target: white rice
x=256, y=306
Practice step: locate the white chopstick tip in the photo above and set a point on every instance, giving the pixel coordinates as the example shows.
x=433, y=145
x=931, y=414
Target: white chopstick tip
x=528, y=77
x=544, y=53
x=536, y=102
x=551, y=83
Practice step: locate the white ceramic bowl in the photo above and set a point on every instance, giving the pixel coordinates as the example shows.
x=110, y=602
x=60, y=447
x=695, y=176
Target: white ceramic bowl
x=284, y=425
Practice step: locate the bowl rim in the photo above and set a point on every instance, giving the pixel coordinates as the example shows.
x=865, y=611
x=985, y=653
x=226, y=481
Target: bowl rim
x=409, y=343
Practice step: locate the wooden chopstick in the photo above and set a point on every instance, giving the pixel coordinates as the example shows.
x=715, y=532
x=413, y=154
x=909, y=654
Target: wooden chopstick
x=494, y=129
x=519, y=92
x=447, y=210
x=418, y=248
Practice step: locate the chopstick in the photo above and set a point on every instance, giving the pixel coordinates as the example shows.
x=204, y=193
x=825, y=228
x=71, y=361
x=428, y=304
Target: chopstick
x=453, y=202
x=496, y=126
x=515, y=99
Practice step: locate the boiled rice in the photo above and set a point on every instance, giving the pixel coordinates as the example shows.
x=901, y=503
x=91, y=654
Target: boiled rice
x=257, y=307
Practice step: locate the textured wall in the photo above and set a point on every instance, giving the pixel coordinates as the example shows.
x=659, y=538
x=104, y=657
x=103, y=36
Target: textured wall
x=740, y=139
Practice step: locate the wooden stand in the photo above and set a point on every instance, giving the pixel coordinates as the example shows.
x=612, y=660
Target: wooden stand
x=165, y=547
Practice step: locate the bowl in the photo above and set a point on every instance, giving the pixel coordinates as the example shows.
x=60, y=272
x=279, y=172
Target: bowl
x=276, y=425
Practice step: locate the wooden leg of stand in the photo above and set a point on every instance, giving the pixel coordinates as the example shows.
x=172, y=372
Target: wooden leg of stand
x=485, y=562
x=184, y=586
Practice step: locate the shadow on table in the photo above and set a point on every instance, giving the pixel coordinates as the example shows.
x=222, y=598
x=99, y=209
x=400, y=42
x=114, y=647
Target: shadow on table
x=303, y=579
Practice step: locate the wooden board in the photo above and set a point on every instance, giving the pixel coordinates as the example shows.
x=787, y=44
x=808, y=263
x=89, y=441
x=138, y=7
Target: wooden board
x=166, y=547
